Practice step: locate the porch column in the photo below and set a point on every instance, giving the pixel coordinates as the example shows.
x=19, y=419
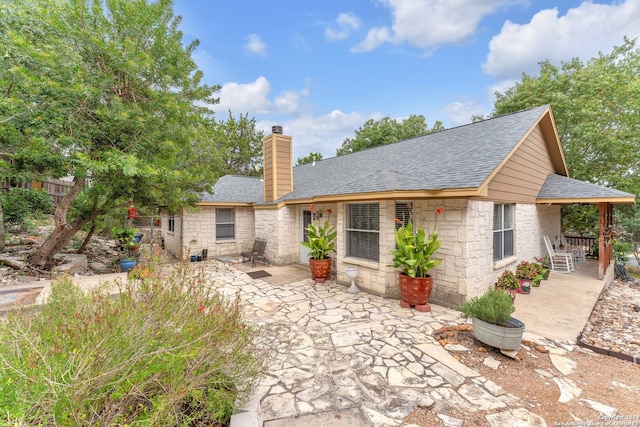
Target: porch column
x=605, y=249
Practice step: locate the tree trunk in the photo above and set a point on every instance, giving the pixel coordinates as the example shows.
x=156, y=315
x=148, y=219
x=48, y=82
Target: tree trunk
x=63, y=232
x=86, y=239
x=1, y=230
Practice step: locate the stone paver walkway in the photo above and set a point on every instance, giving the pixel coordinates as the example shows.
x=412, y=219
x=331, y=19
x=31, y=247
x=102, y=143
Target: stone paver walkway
x=336, y=351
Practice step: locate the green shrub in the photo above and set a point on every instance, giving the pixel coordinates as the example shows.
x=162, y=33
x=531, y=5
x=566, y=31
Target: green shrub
x=20, y=205
x=166, y=351
x=494, y=306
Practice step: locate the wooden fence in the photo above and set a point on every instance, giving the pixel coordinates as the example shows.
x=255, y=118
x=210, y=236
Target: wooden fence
x=56, y=188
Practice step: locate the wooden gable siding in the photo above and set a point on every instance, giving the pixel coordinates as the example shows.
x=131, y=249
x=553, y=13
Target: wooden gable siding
x=521, y=177
x=278, y=168
x=284, y=167
x=267, y=168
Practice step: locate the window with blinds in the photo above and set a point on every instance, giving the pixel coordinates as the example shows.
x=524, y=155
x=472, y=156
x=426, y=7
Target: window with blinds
x=404, y=213
x=502, y=231
x=363, y=231
x=225, y=224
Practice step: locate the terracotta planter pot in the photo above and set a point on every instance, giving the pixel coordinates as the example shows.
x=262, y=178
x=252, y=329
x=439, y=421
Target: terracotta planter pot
x=320, y=269
x=415, y=291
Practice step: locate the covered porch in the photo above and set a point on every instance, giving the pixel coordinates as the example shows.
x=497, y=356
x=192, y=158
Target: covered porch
x=560, y=307
x=562, y=190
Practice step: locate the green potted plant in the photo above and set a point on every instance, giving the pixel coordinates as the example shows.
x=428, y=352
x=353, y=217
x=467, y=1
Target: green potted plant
x=545, y=265
x=526, y=272
x=492, y=321
x=413, y=254
x=321, y=242
x=128, y=239
x=541, y=271
x=508, y=282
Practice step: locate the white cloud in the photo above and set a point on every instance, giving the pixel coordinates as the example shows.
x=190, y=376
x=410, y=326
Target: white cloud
x=500, y=87
x=347, y=22
x=583, y=32
x=429, y=23
x=254, y=98
x=320, y=134
x=375, y=37
x=460, y=112
x=255, y=45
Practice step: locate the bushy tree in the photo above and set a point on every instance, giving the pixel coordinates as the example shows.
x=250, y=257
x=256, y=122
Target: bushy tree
x=239, y=145
x=105, y=92
x=312, y=157
x=596, y=105
x=386, y=131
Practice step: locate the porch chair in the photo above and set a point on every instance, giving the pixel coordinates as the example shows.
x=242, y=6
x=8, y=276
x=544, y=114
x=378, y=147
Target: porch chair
x=257, y=253
x=562, y=262
x=579, y=256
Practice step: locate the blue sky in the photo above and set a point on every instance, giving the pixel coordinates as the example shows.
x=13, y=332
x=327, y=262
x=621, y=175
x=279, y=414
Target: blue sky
x=322, y=68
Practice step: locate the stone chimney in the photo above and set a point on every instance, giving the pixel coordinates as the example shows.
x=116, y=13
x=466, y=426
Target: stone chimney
x=278, y=164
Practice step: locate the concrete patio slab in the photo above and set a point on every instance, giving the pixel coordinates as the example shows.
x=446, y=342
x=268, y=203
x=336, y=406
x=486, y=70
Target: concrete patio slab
x=560, y=307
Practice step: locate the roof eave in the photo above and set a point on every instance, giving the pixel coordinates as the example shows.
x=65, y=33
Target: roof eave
x=588, y=200
x=394, y=195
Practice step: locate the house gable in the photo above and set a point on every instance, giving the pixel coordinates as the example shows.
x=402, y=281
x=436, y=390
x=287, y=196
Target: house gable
x=522, y=173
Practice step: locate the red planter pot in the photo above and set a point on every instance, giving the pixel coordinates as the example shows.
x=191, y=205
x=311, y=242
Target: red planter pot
x=525, y=286
x=415, y=291
x=320, y=269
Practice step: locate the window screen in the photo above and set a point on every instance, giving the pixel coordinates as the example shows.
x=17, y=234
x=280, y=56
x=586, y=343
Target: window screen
x=225, y=224
x=363, y=231
x=502, y=231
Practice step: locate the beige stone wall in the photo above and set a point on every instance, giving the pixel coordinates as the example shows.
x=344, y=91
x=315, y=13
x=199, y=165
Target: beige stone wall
x=532, y=222
x=281, y=229
x=374, y=277
x=172, y=239
x=451, y=277
x=195, y=230
x=465, y=228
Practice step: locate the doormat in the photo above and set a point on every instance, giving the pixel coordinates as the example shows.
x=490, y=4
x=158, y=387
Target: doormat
x=258, y=274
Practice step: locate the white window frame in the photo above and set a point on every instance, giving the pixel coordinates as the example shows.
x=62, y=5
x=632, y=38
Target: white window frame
x=220, y=223
x=503, y=229
x=171, y=223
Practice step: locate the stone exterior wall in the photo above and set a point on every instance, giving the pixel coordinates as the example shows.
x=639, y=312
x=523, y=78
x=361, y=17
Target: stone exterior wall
x=373, y=277
x=532, y=222
x=195, y=230
x=451, y=277
x=281, y=229
x=466, y=230
x=172, y=239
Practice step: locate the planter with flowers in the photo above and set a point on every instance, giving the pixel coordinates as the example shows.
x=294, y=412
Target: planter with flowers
x=509, y=283
x=543, y=274
x=545, y=266
x=526, y=272
x=413, y=254
x=322, y=241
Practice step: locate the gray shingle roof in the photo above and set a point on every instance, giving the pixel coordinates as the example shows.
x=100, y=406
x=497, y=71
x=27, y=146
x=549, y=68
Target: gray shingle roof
x=461, y=157
x=235, y=189
x=562, y=187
